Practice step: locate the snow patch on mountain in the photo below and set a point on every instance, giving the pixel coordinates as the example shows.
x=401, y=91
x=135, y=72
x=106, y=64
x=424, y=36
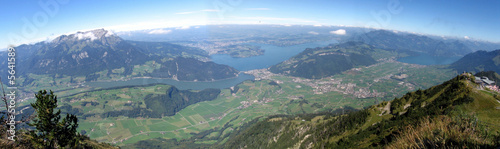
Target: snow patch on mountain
x=105, y=36
x=94, y=34
x=109, y=33
x=86, y=35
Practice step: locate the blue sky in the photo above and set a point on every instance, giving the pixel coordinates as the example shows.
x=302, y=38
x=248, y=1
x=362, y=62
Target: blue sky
x=27, y=21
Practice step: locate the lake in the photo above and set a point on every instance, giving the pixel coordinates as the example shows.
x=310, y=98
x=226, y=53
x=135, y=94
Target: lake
x=425, y=59
x=272, y=55
x=183, y=85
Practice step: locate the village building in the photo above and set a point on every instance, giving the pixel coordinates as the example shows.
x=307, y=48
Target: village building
x=484, y=81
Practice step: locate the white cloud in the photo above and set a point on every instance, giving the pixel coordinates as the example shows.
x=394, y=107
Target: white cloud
x=313, y=32
x=466, y=37
x=257, y=9
x=318, y=25
x=160, y=31
x=338, y=32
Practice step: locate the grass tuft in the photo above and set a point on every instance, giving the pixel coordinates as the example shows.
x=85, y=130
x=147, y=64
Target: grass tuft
x=446, y=132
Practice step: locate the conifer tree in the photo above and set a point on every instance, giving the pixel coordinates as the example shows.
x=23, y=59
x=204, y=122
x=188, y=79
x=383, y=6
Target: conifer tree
x=52, y=131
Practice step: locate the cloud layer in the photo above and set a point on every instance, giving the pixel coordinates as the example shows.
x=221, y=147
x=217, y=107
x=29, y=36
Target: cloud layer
x=338, y=32
x=160, y=31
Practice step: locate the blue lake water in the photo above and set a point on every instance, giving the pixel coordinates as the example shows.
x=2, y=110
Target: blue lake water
x=272, y=55
x=183, y=85
x=425, y=59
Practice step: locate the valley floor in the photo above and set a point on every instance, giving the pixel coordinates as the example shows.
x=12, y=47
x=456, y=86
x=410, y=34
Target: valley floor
x=268, y=94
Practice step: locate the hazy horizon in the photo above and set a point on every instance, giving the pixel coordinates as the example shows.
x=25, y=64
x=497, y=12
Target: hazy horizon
x=33, y=22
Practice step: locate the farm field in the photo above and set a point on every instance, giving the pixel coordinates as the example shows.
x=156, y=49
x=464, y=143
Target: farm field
x=69, y=85
x=245, y=102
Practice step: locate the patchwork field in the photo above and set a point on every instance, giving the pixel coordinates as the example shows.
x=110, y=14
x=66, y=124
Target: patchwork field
x=250, y=100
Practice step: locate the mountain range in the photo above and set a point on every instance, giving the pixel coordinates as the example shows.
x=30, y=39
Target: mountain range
x=456, y=113
x=364, y=50
x=88, y=53
x=403, y=42
x=83, y=53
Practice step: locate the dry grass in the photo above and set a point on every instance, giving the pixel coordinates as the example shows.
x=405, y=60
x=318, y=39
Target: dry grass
x=445, y=132
x=23, y=141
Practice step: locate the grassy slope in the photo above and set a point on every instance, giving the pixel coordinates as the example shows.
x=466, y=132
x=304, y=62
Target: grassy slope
x=389, y=123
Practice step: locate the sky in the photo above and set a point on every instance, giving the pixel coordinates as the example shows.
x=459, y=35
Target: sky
x=28, y=21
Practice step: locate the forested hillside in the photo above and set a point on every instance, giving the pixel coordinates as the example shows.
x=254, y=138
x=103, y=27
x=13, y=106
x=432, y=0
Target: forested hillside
x=478, y=61
x=322, y=62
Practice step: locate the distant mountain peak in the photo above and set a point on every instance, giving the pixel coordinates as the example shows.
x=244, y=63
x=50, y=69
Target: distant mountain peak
x=86, y=35
x=104, y=36
x=94, y=34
